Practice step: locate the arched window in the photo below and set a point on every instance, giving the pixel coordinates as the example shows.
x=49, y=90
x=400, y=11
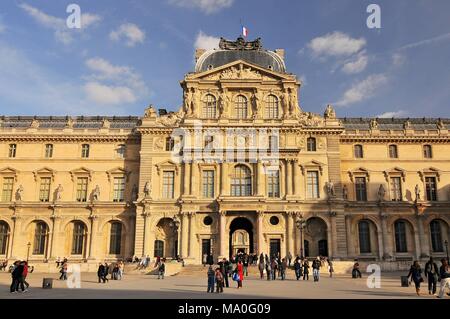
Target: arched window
x=40, y=238
x=272, y=107
x=241, y=107
x=4, y=231
x=209, y=107
x=311, y=144
x=364, y=237
x=359, y=151
x=79, y=231
x=241, y=181
x=436, y=236
x=427, y=151
x=393, y=153
x=400, y=237
x=159, y=248
x=115, y=239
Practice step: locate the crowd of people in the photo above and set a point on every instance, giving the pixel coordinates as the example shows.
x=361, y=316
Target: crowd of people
x=433, y=274
x=19, y=272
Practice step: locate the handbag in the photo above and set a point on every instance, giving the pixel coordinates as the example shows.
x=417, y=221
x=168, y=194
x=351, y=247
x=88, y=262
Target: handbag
x=236, y=277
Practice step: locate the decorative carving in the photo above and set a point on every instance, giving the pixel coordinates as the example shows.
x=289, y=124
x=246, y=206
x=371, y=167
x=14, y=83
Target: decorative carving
x=135, y=193
x=407, y=125
x=106, y=123
x=150, y=112
x=240, y=44
x=381, y=193
x=345, y=192
x=330, y=113
x=330, y=189
x=34, y=123
x=417, y=192
x=96, y=193
x=256, y=99
x=171, y=119
x=58, y=192
x=440, y=125
x=224, y=104
x=159, y=143
x=234, y=73
x=311, y=119
x=19, y=193
x=70, y=122
x=374, y=124
x=147, y=190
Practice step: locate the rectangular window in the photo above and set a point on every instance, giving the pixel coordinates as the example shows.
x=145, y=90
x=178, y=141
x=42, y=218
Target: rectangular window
x=7, y=190
x=360, y=189
x=49, y=151
x=44, y=189
x=170, y=144
x=396, y=189
x=85, y=151
x=119, y=189
x=313, y=185
x=431, y=188
x=168, y=184
x=12, y=150
x=358, y=149
x=208, y=184
x=273, y=184
x=82, y=184
x=120, y=151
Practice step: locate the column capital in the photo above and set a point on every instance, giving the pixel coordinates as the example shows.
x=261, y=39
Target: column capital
x=260, y=213
x=332, y=214
x=222, y=213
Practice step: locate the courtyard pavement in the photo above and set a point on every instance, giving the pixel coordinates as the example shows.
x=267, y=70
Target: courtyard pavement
x=140, y=286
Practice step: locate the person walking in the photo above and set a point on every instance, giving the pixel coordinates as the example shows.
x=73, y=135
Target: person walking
x=356, y=272
x=306, y=269
x=444, y=272
x=283, y=269
x=268, y=268
x=211, y=275
x=245, y=264
x=330, y=267
x=261, y=267
x=63, y=271
x=298, y=268
x=223, y=266
x=240, y=272
x=106, y=272
x=16, y=272
x=415, y=272
x=316, y=269
x=100, y=273
x=219, y=280
x=23, y=280
x=161, y=270
x=432, y=274
x=274, y=268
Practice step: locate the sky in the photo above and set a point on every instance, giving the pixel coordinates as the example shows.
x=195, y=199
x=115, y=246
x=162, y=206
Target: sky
x=130, y=54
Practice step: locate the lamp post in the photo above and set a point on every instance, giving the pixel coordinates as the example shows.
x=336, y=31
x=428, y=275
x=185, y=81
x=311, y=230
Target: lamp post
x=28, y=251
x=176, y=226
x=300, y=223
x=446, y=249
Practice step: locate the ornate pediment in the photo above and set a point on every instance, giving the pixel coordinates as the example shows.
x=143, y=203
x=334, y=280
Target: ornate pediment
x=166, y=165
x=240, y=70
x=45, y=171
x=82, y=171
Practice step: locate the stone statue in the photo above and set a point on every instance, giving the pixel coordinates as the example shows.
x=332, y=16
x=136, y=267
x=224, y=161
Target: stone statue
x=417, y=192
x=381, y=193
x=150, y=112
x=330, y=113
x=224, y=103
x=440, y=124
x=106, y=123
x=34, y=123
x=58, y=192
x=330, y=189
x=374, y=124
x=70, y=122
x=188, y=102
x=345, y=192
x=135, y=193
x=407, y=125
x=285, y=104
x=147, y=189
x=240, y=44
x=255, y=104
x=19, y=193
x=292, y=102
x=96, y=194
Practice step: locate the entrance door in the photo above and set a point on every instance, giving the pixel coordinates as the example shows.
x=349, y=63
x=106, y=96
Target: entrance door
x=323, y=247
x=306, y=245
x=206, y=247
x=275, y=248
x=159, y=248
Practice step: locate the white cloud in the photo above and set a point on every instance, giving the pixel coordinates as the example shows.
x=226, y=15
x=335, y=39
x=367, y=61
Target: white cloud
x=433, y=40
x=111, y=95
x=362, y=90
x=207, y=6
x=207, y=42
x=356, y=65
x=58, y=25
x=111, y=84
x=399, y=113
x=336, y=44
x=130, y=33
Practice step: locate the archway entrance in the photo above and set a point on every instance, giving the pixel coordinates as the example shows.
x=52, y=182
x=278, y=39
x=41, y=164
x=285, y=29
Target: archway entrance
x=241, y=236
x=166, y=239
x=316, y=237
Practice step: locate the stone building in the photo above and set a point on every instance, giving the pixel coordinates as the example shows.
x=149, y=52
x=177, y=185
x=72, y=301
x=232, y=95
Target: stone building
x=240, y=167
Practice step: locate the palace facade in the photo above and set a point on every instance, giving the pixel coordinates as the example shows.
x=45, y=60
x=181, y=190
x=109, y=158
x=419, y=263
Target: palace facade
x=240, y=167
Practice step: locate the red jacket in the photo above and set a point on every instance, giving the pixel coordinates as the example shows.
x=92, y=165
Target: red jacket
x=25, y=270
x=240, y=270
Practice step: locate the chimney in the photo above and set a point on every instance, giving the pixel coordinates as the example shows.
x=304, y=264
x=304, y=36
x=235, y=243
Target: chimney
x=198, y=53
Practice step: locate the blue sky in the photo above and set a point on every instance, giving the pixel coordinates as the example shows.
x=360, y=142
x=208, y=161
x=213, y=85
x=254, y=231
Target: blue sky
x=129, y=54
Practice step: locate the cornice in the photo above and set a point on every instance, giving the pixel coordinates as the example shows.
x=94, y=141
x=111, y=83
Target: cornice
x=70, y=138
x=387, y=139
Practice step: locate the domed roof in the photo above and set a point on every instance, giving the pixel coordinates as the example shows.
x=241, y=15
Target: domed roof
x=230, y=51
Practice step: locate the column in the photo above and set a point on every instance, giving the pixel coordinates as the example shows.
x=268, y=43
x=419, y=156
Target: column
x=226, y=180
x=261, y=180
x=94, y=222
x=290, y=233
x=384, y=230
x=348, y=230
x=191, y=234
x=380, y=244
x=222, y=233
x=186, y=179
x=288, y=177
x=259, y=224
x=423, y=249
x=330, y=242
x=184, y=234
x=282, y=180
x=195, y=178
x=295, y=178
x=146, y=246
x=17, y=221
x=222, y=179
x=55, y=225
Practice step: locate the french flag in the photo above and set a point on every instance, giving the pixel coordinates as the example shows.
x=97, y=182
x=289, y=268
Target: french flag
x=244, y=31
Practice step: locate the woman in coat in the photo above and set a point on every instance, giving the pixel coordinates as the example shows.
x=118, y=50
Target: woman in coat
x=261, y=267
x=306, y=270
x=415, y=272
x=240, y=272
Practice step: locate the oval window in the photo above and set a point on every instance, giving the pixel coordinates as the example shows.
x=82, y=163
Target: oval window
x=274, y=220
x=207, y=220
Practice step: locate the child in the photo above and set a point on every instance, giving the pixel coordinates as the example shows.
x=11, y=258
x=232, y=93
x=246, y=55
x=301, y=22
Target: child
x=219, y=280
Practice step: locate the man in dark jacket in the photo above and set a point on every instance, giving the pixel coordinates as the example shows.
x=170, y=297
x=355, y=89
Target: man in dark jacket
x=316, y=268
x=101, y=273
x=432, y=273
x=16, y=275
x=224, y=270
